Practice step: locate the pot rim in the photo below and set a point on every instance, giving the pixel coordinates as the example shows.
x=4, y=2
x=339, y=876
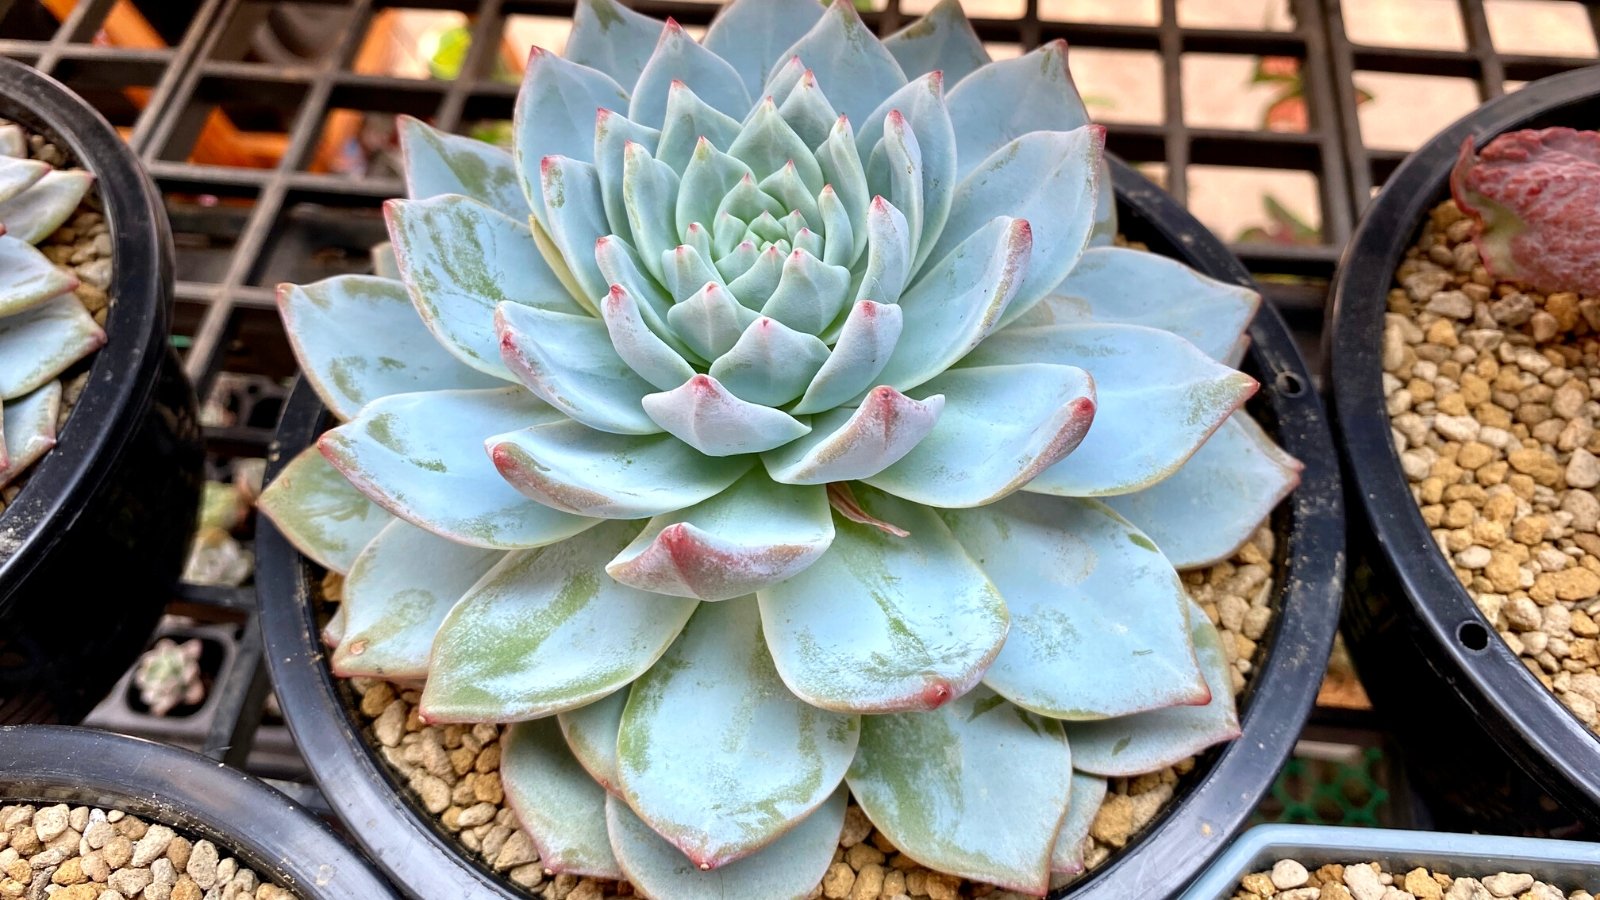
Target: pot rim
x=1528, y=722
x=275, y=836
x=123, y=374
x=423, y=859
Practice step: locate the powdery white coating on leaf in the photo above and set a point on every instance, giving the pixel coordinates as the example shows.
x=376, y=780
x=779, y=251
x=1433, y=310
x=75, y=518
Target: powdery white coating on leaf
x=591, y=733
x=568, y=362
x=320, y=512
x=37, y=212
x=436, y=163
x=30, y=278
x=850, y=444
x=1083, y=802
x=17, y=175
x=29, y=430
x=608, y=36
x=562, y=808
x=943, y=40
x=709, y=418
x=41, y=342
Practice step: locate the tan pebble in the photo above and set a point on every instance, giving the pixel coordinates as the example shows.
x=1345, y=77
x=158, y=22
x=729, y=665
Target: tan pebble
x=1583, y=469
x=1287, y=873
x=153, y=844
x=1538, y=464
x=479, y=814
x=1258, y=883
x=129, y=882
x=186, y=889
x=856, y=827
x=94, y=865
x=202, y=865
x=838, y=881
x=1302, y=893
x=1335, y=891
x=178, y=852
x=862, y=855
x=1474, y=454
x=1574, y=584
x=488, y=789
x=518, y=851
x=77, y=892
x=272, y=892
x=1507, y=884
x=118, y=851
x=1422, y=885
x=377, y=699
x=434, y=792
x=1363, y=882
x=869, y=882
x=587, y=889
x=528, y=876
x=69, y=872
x=389, y=726
x=132, y=828
x=50, y=822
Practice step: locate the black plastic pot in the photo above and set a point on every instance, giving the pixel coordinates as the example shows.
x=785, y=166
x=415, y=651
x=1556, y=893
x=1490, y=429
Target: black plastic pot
x=92, y=545
x=1494, y=744
x=265, y=830
x=427, y=862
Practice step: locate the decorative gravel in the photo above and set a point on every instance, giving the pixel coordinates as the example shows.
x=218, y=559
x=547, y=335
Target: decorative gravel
x=1490, y=388
x=84, y=853
x=454, y=770
x=1289, y=880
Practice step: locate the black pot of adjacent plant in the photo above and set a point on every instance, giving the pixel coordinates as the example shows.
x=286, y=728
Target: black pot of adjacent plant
x=1461, y=411
x=93, y=532
x=88, y=812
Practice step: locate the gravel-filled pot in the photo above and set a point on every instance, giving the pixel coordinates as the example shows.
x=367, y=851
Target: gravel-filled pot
x=91, y=545
x=53, y=772
x=1211, y=804
x=1427, y=653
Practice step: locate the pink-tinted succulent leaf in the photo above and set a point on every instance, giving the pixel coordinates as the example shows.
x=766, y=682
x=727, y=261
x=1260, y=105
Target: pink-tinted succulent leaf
x=639, y=345
x=689, y=121
x=752, y=35
x=889, y=252
x=29, y=430
x=710, y=321
x=976, y=789
x=396, y=595
x=849, y=444
x=957, y=302
x=1001, y=427
x=358, y=338
x=649, y=195
x=838, y=240
x=17, y=175
x=521, y=643
x=1151, y=419
x=1083, y=802
x=786, y=187
x=611, y=38
x=333, y=631
x=30, y=278
x=591, y=733
x=849, y=61
x=569, y=466
x=843, y=170
x=751, y=535
x=843, y=500
x=884, y=623
x=1048, y=178
x=1096, y=632
x=920, y=107
x=708, y=417
x=755, y=286
x=1117, y=285
x=436, y=162
x=810, y=294
x=40, y=343
x=942, y=40
x=708, y=177
x=771, y=363
x=766, y=144
x=455, y=284
x=13, y=141
x=1532, y=194
x=320, y=512
x=715, y=754
x=560, y=806
x=685, y=270
x=384, y=263
x=863, y=348
x=1208, y=509
x=575, y=217
x=1150, y=741
x=620, y=265
x=568, y=362
x=894, y=173
x=613, y=133
x=678, y=57
x=555, y=115
x=37, y=212
x=808, y=111
x=787, y=870
x=420, y=456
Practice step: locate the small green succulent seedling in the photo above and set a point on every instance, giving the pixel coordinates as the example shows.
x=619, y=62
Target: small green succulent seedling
x=168, y=675
x=777, y=421
x=44, y=328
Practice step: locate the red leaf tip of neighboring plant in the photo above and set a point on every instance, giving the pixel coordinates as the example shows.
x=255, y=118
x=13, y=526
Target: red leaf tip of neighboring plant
x=1532, y=196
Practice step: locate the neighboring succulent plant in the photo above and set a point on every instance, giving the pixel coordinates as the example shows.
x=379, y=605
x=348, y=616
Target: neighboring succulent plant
x=168, y=674
x=759, y=460
x=44, y=328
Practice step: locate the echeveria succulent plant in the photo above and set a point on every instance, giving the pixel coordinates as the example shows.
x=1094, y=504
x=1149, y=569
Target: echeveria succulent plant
x=777, y=416
x=44, y=328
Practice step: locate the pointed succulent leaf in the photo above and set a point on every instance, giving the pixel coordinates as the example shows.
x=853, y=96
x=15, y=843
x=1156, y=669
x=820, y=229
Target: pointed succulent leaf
x=1083, y=802
x=1208, y=509
x=688, y=121
x=320, y=513
x=685, y=270
x=555, y=115
x=1117, y=285
x=838, y=234
x=767, y=144
x=958, y=301
x=863, y=348
x=520, y=644
x=649, y=188
x=771, y=363
x=620, y=265
x=420, y=456
x=843, y=51
x=678, y=57
x=850, y=444
x=1007, y=99
x=29, y=429
x=708, y=417
x=639, y=346
x=710, y=321
x=569, y=466
x=1151, y=419
x=456, y=282
x=808, y=111
x=1098, y=632
x=17, y=175
x=568, y=362
x=977, y=788
x=884, y=623
x=1149, y=741
x=333, y=630
x=786, y=186
x=395, y=596
x=40, y=343
x=942, y=40
x=591, y=733
x=609, y=37
x=787, y=870
x=1001, y=427
x=613, y=133
x=708, y=178
x=842, y=170
x=752, y=34
x=436, y=162
x=30, y=277
x=894, y=173
x=358, y=338
x=889, y=254
x=751, y=535
x=921, y=106
x=35, y=213
x=715, y=755
x=810, y=293
x=560, y=806
x=576, y=218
